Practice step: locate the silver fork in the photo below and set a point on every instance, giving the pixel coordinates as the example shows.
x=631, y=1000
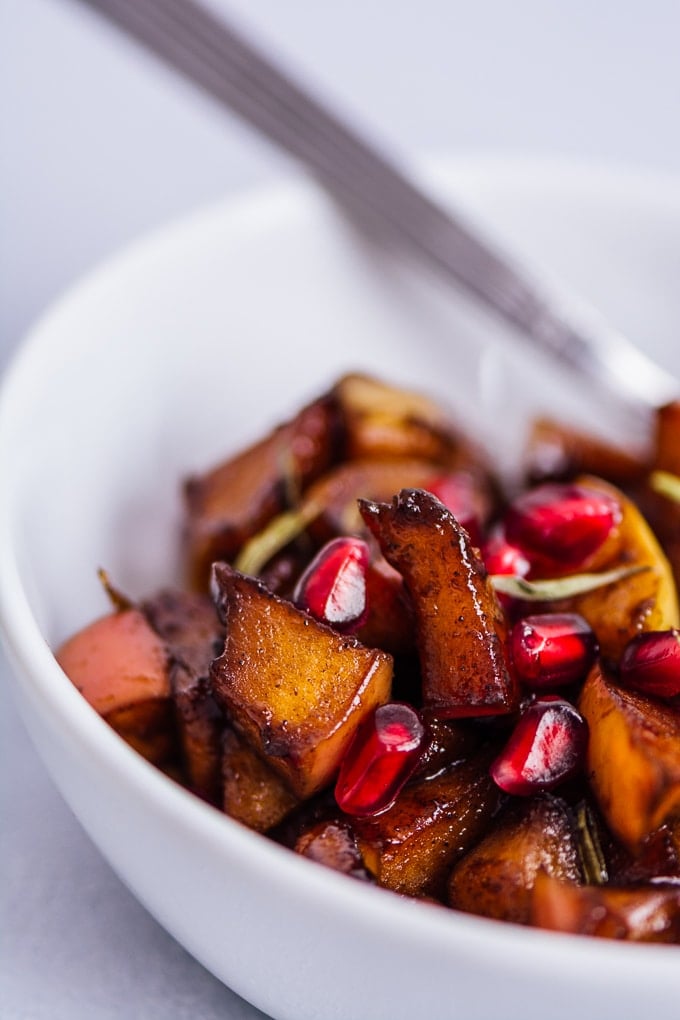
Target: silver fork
x=216, y=57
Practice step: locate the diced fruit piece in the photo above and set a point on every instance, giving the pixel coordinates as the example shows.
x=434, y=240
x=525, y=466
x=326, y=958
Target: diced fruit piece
x=234, y=500
x=667, y=448
x=557, y=452
x=560, y=527
x=657, y=859
x=411, y=847
x=252, y=792
x=646, y=914
x=333, y=844
x=389, y=622
x=333, y=587
x=651, y=663
x=382, y=756
x=120, y=666
x=496, y=878
x=642, y=601
x=450, y=742
x=633, y=757
x=188, y=625
x=547, y=746
x=552, y=649
x=384, y=421
x=460, y=626
x=334, y=496
x=661, y=511
x=295, y=688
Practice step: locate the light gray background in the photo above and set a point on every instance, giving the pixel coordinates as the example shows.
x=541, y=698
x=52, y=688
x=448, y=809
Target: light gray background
x=99, y=143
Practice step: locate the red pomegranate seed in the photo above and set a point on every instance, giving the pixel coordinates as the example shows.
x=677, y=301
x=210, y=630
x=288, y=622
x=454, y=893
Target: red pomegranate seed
x=382, y=756
x=651, y=663
x=546, y=747
x=460, y=494
x=552, y=649
x=333, y=587
x=561, y=524
x=500, y=557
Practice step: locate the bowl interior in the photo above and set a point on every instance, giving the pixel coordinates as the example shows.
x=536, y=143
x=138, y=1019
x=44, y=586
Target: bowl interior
x=200, y=337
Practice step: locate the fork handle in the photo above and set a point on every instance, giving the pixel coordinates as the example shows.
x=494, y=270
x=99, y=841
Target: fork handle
x=214, y=56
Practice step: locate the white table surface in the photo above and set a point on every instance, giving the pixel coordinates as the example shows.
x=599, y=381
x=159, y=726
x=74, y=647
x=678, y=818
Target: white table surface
x=99, y=143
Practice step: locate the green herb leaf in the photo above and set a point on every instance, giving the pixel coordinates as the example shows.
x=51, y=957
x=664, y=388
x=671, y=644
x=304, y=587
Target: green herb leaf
x=561, y=587
x=281, y=530
x=666, y=484
x=590, y=849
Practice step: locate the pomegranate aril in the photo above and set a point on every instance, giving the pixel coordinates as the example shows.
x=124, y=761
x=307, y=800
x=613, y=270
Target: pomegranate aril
x=459, y=492
x=333, y=587
x=501, y=557
x=546, y=747
x=552, y=649
x=651, y=663
x=561, y=525
x=381, y=757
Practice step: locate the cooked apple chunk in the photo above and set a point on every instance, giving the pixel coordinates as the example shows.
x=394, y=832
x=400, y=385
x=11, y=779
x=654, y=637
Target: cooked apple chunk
x=232, y=502
x=333, y=844
x=252, y=792
x=187, y=622
x=633, y=757
x=411, y=847
x=460, y=627
x=648, y=913
x=336, y=492
x=496, y=878
x=121, y=667
x=555, y=450
x=384, y=421
x=295, y=688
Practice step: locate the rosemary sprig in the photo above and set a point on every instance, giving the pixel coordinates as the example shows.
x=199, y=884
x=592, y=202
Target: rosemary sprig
x=561, y=587
x=590, y=849
x=666, y=484
x=274, y=537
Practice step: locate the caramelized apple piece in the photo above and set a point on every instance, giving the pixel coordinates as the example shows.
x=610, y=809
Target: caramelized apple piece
x=667, y=438
x=411, y=847
x=295, y=688
x=450, y=742
x=643, y=601
x=389, y=622
x=557, y=451
x=232, y=502
x=661, y=511
x=336, y=493
x=384, y=421
x=460, y=627
x=120, y=666
x=633, y=757
x=649, y=913
x=657, y=858
x=252, y=792
x=333, y=844
x=496, y=878
x=188, y=624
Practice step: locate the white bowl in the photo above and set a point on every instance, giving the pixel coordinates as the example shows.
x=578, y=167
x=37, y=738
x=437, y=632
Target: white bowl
x=178, y=351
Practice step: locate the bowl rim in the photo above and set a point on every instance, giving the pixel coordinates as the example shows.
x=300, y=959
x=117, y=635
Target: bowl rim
x=43, y=681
